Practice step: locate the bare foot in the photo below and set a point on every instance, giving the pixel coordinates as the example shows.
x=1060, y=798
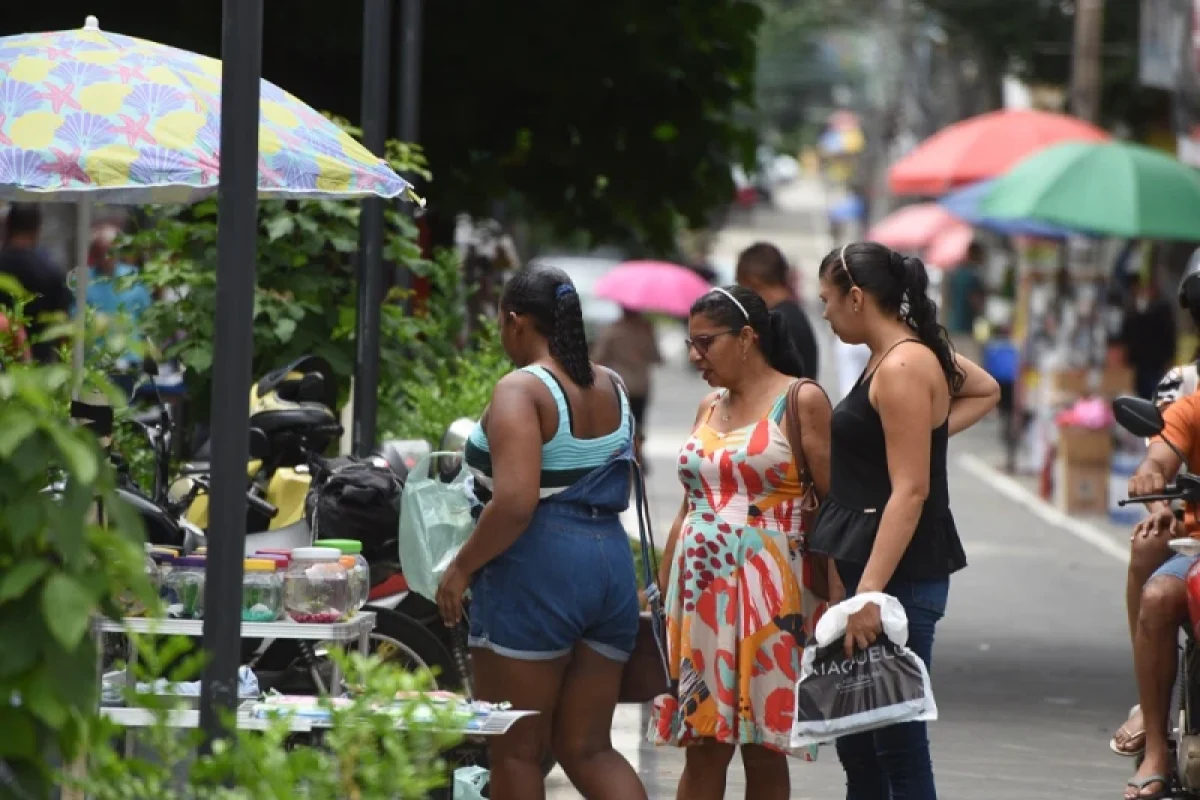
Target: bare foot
x=1130, y=738
x=1148, y=782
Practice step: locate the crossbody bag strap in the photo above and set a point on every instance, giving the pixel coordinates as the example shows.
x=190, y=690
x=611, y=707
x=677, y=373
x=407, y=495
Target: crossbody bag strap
x=650, y=568
x=792, y=416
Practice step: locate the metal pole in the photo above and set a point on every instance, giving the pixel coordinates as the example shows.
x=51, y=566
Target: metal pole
x=410, y=70
x=408, y=100
x=237, y=234
x=376, y=28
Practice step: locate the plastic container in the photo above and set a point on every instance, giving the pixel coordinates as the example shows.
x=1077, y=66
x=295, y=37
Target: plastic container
x=164, y=561
x=276, y=551
x=317, y=586
x=360, y=574
x=185, y=584
x=281, y=562
x=262, y=590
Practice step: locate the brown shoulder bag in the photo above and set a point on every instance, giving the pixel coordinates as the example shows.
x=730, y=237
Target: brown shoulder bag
x=821, y=574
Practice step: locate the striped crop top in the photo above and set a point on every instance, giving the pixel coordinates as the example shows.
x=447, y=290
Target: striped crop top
x=565, y=459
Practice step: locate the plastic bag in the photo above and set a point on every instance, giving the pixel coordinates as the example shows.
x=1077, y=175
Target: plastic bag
x=883, y=685
x=470, y=783
x=435, y=521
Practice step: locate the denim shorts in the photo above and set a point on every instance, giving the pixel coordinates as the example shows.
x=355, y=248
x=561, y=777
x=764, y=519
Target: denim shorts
x=1176, y=566
x=568, y=578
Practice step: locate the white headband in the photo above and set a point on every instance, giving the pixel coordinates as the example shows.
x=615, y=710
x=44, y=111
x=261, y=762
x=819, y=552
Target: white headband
x=741, y=307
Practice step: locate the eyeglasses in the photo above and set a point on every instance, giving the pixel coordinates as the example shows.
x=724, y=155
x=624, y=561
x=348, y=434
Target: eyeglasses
x=705, y=340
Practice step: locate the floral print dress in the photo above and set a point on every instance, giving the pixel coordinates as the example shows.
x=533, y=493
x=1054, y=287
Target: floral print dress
x=737, y=612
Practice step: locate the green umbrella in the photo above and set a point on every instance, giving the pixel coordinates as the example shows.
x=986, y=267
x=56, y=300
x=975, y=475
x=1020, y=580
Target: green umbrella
x=1112, y=188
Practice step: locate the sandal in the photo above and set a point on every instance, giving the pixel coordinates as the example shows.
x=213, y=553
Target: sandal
x=1131, y=738
x=1142, y=783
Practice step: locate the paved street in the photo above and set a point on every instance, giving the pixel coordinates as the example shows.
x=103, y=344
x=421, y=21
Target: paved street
x=1032, y=668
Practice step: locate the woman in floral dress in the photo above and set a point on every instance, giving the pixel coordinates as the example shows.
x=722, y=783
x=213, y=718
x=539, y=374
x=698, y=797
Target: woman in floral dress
x=738, y=614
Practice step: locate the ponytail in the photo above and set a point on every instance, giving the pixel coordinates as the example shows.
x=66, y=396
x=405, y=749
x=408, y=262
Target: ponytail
x=568, y=341
x=780, y=349
x=920, y=312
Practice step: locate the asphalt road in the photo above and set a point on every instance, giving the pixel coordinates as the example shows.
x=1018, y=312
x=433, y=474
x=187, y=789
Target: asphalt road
x=1031, y=669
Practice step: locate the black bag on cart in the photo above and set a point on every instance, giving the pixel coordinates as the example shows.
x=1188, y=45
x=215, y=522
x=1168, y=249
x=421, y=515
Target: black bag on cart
x=352, y=498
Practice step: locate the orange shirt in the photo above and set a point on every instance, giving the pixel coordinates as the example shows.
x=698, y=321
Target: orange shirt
x=1182, y=429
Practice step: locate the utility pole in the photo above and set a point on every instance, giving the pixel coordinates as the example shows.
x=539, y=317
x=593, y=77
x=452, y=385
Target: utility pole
x=1085, y=59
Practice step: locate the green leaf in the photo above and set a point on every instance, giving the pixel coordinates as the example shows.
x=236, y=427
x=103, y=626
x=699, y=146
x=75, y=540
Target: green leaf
x=280, y=227
x=17, y=737
x=18, y=580
x=284, y=329
x=80, y=457
x=15, y=426
x=66, y=608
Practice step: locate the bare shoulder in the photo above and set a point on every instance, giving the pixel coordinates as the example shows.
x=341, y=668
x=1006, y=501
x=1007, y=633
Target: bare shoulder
x=705, y=404
x=811, y=396
x=907, y=362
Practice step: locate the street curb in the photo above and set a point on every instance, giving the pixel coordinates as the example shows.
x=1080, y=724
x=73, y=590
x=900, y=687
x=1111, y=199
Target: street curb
x=1044, y=511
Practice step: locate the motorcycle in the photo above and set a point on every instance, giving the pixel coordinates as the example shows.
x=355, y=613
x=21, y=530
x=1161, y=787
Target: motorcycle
x=1142, y=418
x=293, y=414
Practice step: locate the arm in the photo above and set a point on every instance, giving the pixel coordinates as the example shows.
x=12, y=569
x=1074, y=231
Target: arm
x=903, y=398
x=664, y=568
x=979, y=395
x=816, y=418
x=516, y=449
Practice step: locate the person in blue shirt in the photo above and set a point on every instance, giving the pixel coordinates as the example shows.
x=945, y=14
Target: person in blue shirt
x=114, y=287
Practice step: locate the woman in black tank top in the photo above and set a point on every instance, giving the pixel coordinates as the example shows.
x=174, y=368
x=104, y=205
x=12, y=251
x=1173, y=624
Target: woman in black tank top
x=886, y=522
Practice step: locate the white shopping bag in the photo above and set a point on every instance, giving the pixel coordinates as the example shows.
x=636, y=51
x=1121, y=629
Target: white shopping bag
x=883, y=685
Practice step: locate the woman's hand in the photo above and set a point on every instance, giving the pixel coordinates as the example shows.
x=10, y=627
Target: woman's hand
x=863, y=627
x=450, y=593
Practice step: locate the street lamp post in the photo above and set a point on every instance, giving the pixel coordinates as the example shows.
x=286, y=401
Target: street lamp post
x=237, y=236
x=376, y=30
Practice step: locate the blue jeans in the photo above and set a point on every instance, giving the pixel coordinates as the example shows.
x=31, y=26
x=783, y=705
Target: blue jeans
x=568, y=578
x=893, y=763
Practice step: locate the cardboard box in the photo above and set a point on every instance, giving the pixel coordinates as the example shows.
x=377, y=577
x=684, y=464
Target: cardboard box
x=1116, y=381
x=1081, y=488
x=1085, y=446
x=1072, y=382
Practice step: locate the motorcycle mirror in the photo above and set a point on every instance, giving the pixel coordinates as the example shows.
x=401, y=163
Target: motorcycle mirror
x=150, y=366
x=1138, y=416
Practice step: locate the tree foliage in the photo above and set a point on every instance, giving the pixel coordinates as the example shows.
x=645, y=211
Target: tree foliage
x=610, y=117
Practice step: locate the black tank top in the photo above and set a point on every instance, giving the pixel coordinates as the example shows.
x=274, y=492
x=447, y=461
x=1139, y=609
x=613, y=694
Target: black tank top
x=860, y=487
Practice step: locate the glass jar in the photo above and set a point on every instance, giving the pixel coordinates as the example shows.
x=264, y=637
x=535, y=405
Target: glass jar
x=185, y=585
x=164, y=560
x=360, y=574
x=262, y=590
x=317, y=586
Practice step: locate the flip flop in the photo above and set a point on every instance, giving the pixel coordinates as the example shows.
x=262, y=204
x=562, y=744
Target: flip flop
x=1131, y=738
x=1142, y=783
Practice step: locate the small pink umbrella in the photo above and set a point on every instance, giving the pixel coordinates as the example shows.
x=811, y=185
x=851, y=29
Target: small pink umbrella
x=949, y=248
x=655, y=287
x=914, y=227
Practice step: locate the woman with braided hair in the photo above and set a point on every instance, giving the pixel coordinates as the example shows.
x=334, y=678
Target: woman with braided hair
x=554, y=609
x=887, y=521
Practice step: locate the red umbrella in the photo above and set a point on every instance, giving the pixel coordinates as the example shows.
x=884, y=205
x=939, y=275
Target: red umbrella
x=656, y=287
x=983, y=147
x=913, y=228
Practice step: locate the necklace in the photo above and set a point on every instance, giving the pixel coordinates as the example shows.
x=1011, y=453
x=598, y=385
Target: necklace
x=725, y=412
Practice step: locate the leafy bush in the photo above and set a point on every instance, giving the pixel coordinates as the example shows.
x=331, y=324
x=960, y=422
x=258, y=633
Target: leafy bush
x=363, y=754
x=63, y=556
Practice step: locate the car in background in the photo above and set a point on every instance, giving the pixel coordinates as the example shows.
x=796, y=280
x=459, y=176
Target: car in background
x=585, y=271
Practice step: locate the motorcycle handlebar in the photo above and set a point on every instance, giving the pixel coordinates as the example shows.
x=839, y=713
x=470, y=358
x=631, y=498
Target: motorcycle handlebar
x=261, y=505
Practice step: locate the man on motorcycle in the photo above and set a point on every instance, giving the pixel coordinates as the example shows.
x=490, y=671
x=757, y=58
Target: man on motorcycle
x=1156, y=593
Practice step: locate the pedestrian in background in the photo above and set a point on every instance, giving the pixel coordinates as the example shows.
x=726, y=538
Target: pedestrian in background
x=22, y=259
x=738, y=614
x=887, y=521
x=554, y=608
x=629, y=347
x=762, y=269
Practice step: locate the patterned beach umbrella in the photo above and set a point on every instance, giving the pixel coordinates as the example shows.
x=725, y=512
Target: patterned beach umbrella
x=87, y=114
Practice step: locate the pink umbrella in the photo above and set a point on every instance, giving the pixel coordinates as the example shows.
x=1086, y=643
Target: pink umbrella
x=949, y=248
x=656, y=287
x=914, y=227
